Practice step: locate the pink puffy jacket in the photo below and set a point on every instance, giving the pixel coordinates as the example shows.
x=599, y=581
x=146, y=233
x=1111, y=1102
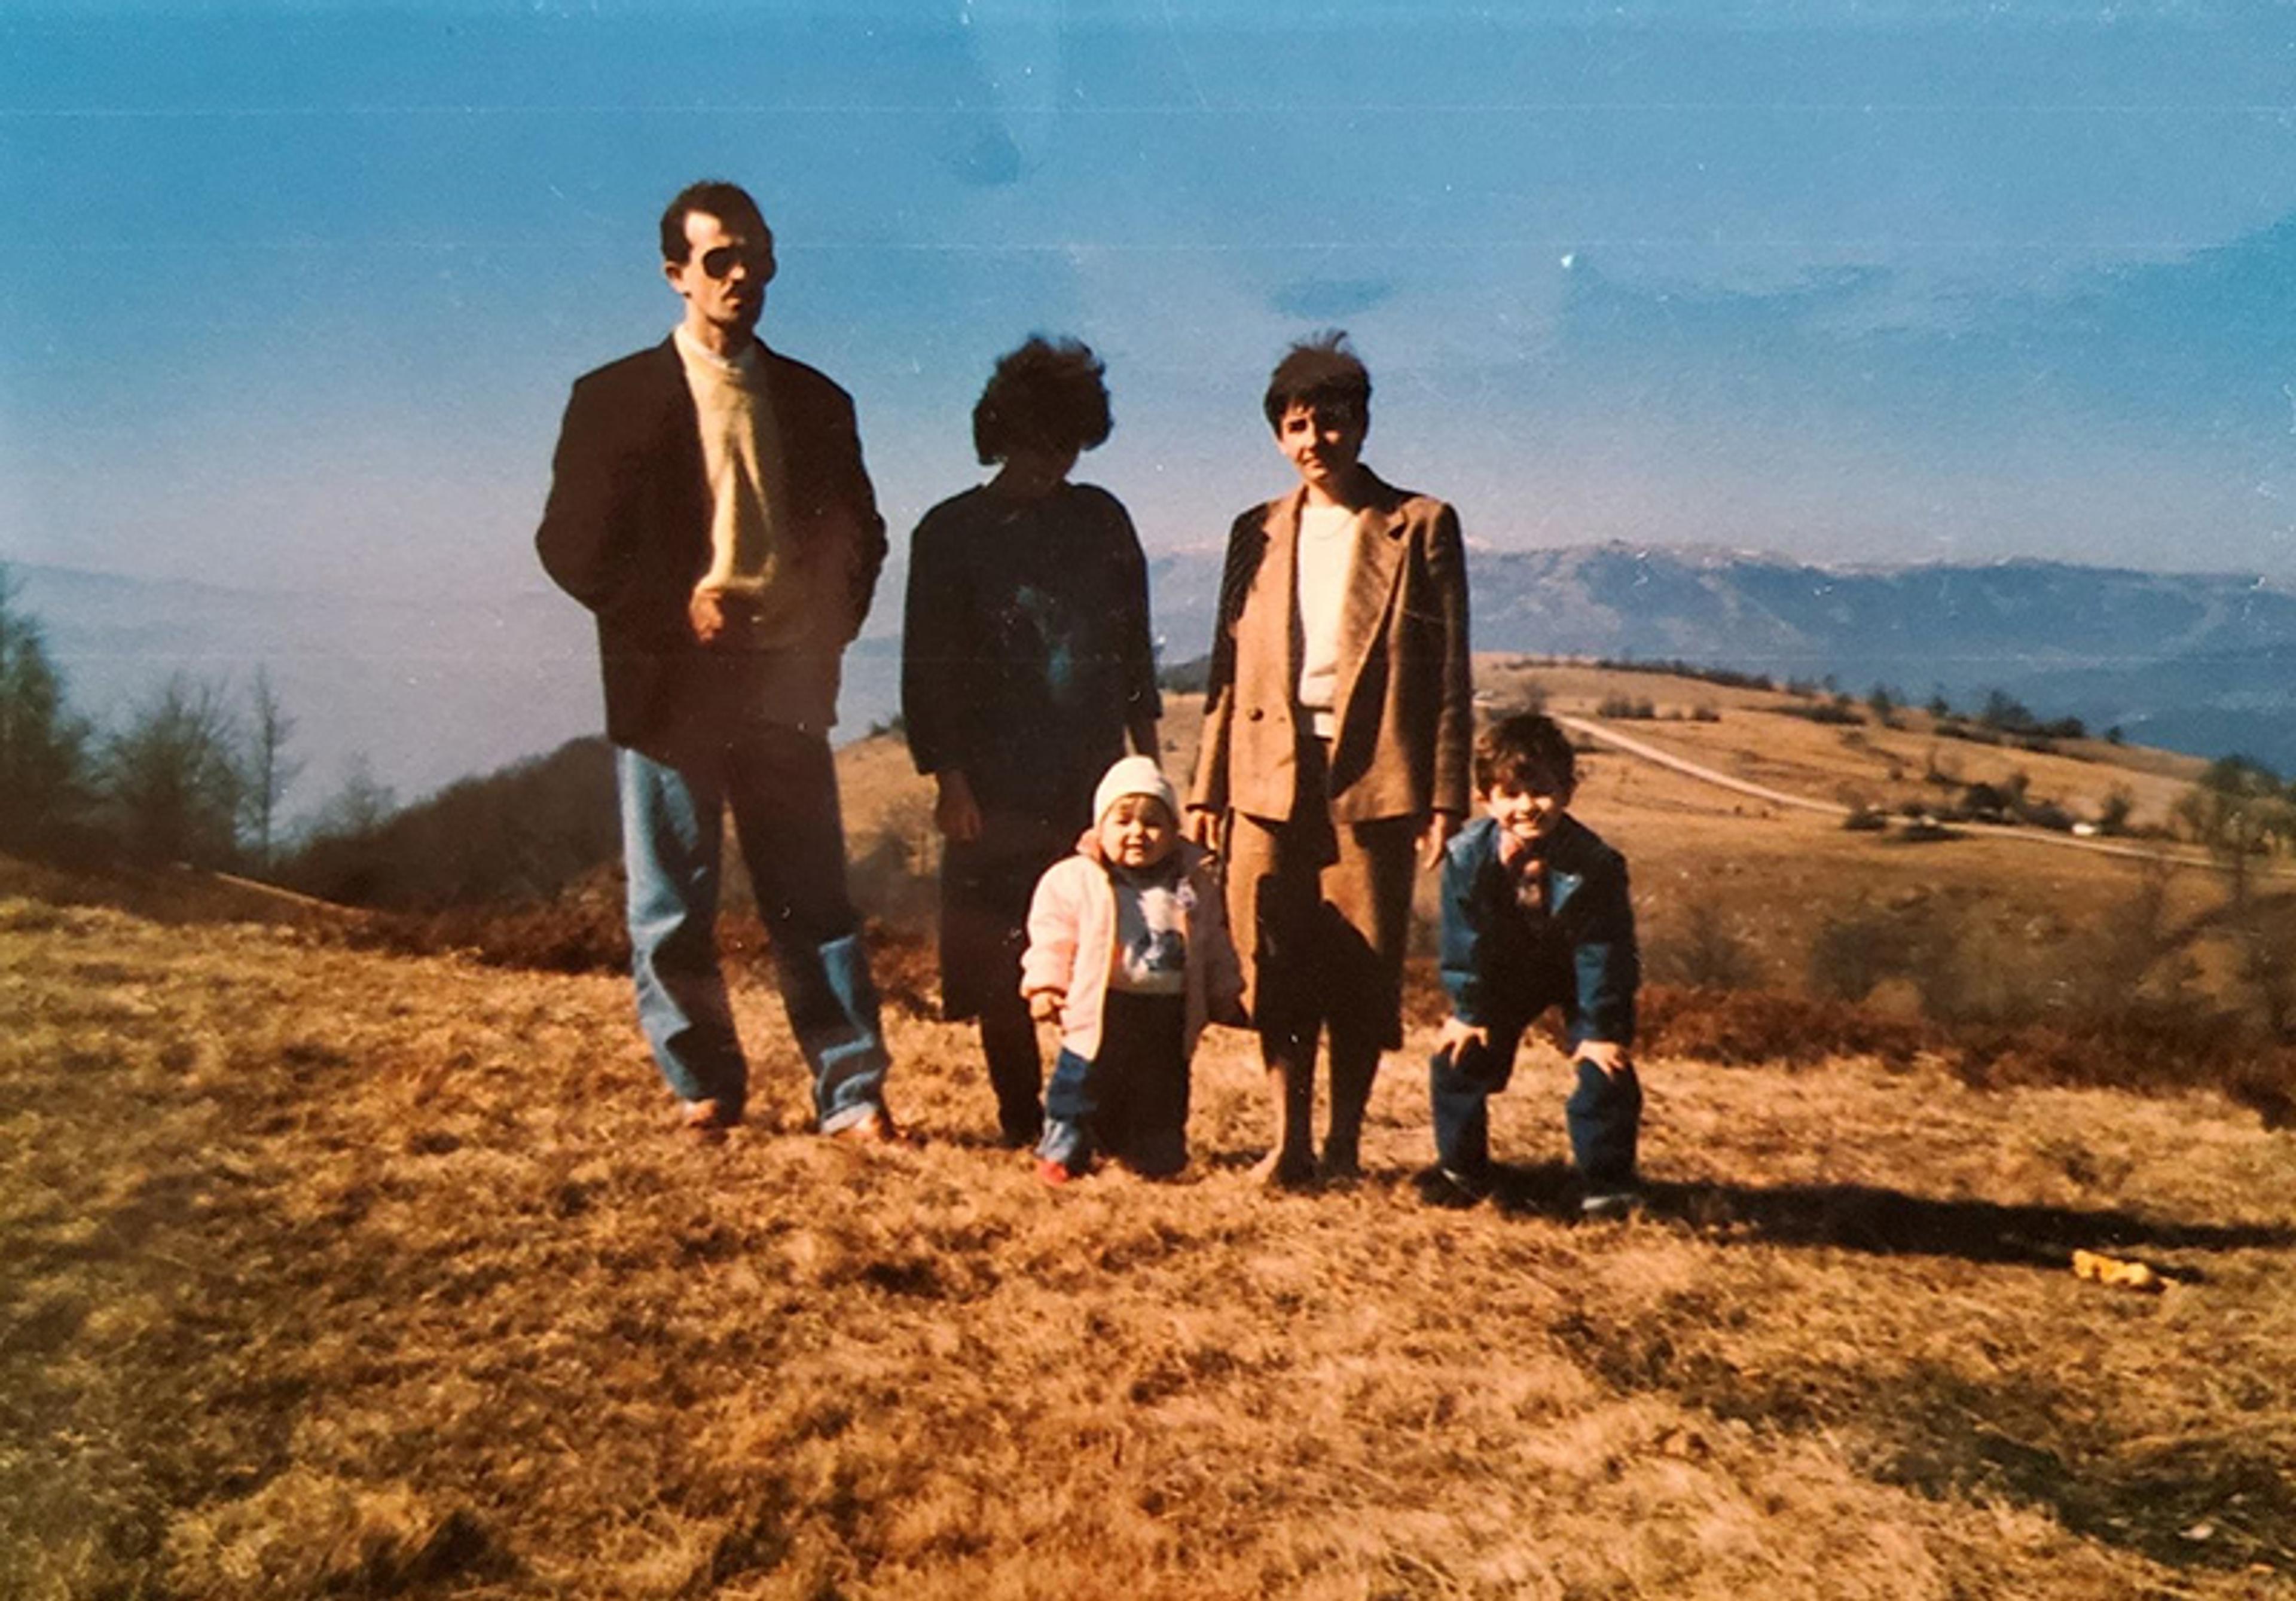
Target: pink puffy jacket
x=1072, y=945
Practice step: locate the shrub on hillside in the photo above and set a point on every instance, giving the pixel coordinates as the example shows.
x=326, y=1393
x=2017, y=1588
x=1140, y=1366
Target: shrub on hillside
x=512, y=837
x=1970, y=971
x=894, y=870
x=2151, y=1053
x=570, y=934
x=1923, y=829
x=2045, y=814
x=1850, y=955
x=1527, y=695
x=2155, y=1054
x=1189, y=677
x=1838, y=712
x=1742, y=1027
x=1711, y=951
x=1728, y=678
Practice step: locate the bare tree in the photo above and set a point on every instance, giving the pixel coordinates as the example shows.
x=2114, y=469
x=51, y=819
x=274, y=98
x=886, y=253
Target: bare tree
x=362, y=806
x=2239, y=810
x=269, y=770
x=174, y=780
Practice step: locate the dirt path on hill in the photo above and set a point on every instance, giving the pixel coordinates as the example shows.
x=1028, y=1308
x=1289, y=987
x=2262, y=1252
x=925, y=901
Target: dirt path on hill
x=1834, y=809
x=1706, y=775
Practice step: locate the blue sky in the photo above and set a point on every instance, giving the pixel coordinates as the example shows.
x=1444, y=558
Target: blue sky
x=291, y=293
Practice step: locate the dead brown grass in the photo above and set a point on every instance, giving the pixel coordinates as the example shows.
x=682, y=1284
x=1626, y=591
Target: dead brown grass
x=328, y=1272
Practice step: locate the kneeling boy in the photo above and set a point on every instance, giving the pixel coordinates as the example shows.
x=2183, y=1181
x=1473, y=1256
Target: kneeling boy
x=1536, y=913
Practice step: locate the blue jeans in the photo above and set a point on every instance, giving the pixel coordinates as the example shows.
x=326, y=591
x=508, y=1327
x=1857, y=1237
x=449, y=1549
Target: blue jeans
x=1604, y=1113
x=782, y=786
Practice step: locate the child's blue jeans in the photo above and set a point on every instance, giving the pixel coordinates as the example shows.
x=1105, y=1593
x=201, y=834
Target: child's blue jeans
x=1604, y=1113
x=1132, y=1100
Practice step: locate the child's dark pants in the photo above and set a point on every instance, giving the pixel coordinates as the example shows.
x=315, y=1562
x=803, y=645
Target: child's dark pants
x=1605, y=1113
x=1132, y=1100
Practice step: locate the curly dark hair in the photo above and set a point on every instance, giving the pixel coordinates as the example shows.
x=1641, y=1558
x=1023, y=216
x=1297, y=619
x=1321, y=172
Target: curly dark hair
x=712, y=197
x=1048, y=395
x=1318, y=371
x=1527, y=751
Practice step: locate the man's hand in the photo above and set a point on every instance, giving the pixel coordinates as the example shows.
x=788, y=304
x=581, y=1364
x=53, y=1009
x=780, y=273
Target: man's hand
x=1608, y=1054
x=1457, y=1032
x=707, y=614
x=1044, y=1004
x=1440, y=826
x=956, y=813
x=1203, y=826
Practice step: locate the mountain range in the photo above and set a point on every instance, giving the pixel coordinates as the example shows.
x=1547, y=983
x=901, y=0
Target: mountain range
x=426, y=691
x=2198, y=663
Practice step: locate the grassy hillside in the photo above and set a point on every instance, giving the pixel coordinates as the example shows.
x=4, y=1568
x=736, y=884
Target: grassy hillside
x=2026, y=912
x=327, y=1272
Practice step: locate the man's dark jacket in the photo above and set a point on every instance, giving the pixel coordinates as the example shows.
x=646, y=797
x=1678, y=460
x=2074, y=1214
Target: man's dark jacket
x=627, y=528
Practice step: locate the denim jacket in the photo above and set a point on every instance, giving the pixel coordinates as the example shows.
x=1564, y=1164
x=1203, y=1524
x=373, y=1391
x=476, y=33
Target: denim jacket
x=1502, y=965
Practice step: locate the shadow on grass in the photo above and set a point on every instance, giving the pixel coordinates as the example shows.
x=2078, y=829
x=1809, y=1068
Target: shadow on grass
x=1889, y=1222
x=2219, y=1500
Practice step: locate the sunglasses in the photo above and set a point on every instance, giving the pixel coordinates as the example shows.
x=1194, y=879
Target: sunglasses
x=720, y=263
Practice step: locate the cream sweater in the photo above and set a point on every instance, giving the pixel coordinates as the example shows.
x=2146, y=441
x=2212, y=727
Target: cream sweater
x=740, y=452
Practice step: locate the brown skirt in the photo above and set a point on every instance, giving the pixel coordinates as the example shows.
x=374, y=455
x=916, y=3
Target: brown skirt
x=1322, y=915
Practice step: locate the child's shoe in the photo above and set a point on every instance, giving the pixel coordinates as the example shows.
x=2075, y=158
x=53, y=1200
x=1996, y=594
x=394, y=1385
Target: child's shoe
x=1054, y=1173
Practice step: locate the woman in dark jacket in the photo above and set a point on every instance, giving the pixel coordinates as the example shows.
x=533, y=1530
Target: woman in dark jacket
x=1026, y=663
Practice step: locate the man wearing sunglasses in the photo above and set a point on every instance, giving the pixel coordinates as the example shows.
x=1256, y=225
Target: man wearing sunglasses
x=708, y=504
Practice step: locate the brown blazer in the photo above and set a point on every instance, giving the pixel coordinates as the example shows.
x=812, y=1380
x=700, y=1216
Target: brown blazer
x=1404, y=707
x=627, y=528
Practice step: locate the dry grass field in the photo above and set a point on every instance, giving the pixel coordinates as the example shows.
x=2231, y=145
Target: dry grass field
x=329, y=1272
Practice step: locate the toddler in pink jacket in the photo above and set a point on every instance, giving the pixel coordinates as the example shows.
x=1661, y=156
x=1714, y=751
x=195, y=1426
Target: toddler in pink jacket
x=1128, y=948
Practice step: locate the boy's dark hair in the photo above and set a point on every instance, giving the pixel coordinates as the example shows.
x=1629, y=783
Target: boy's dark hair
x=712, y=197
x=1318, y=371
x=1526, y=752
x=1049, y=395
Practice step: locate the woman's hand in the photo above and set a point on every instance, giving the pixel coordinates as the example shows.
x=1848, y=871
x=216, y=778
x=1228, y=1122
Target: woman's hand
x=1457, y=1032
x=1440, y=826
x=956, y=813
x=1608, y=1054
x=707, y=615
x=1203, y=826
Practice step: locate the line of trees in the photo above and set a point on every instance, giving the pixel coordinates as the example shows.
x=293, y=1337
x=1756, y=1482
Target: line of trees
x=191, y=774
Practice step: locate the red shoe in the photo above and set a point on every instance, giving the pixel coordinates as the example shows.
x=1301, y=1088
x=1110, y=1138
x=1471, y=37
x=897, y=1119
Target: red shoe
x=1054, y=1173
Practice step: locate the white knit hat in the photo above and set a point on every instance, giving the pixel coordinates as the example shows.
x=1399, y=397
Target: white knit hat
x=1134, y=776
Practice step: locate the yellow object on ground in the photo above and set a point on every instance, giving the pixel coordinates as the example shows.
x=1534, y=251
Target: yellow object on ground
x=2112, y=1270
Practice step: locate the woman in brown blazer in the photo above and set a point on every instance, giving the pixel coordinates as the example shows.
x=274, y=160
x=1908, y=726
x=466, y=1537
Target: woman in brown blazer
x=1337, y=720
